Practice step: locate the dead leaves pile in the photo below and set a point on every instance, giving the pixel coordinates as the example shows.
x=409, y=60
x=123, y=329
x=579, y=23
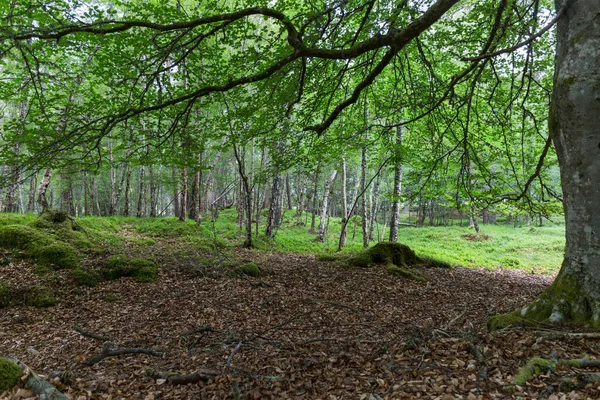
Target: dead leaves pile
x=304, y=329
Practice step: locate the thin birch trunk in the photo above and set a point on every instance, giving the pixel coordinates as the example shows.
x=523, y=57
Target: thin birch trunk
x=326, y=193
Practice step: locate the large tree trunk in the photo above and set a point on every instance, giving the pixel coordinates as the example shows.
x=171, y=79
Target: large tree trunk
x=575, y=128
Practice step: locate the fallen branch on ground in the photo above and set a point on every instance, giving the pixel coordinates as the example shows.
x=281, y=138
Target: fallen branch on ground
x=107, y=352
x=567, y=335
x=537, y=366
x=90, y=334
x=482, y=376
x=201, y=375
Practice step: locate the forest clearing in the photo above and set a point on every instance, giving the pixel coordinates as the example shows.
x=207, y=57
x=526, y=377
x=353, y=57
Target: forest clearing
x=305, y=326
x=319, y=199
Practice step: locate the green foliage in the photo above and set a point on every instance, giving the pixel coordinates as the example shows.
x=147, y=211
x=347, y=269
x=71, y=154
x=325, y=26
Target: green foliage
x=40, y=296
x=58, y=255
x=85, y=277
x=10, y=373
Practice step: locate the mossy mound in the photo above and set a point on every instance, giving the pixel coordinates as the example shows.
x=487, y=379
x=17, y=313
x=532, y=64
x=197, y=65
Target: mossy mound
x=22, y=237
x=389, y=253
x=250, y=269
x=118, y=266
x=58, y=255
x=327, y=257
x=40, y=296
x=85, y=277
x=10, y=373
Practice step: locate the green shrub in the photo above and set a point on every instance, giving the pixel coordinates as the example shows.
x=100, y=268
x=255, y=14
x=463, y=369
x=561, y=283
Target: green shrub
x=40, y=296
x=85, y=277
x=10, y=373
x=58, y=255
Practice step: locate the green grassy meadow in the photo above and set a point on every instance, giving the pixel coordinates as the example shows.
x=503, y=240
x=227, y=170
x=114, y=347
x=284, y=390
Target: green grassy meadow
x=534, y=249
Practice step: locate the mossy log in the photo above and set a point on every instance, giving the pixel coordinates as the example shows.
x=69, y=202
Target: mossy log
x=13, y=370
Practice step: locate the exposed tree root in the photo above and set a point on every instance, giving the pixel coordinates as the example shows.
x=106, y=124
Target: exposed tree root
x=90, y=334
x=482, y=376
x=537, y=366
x=174, y=378
x=567, y=335
x=107, y=352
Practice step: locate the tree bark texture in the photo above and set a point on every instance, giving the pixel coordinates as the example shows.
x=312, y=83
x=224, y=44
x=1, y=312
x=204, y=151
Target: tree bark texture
x=574, y=124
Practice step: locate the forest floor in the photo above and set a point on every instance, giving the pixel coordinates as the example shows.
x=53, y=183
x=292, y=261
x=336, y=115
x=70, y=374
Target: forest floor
x=304, y=329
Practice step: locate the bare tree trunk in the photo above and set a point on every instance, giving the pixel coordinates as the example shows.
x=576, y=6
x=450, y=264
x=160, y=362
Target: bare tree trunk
x=195, y=206
x=363, y=203
x=126, y=209
x=326, y=193
x=153, y=190
x=209, y=182
x=66, y=194
x=43, y=188
x=184, y=196
x=397, y=186
x=31, y=199
x=247, y=196
x=374, y=205
x=288, y=187
x=315, y=197
x=274, y=216
x=141, y=194
x=345, y=215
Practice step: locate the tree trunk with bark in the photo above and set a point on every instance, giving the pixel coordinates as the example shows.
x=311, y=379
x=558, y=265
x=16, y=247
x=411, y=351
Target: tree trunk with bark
x=184, y=195
x=274, y=216
x=397, y=186
x=574, y=126
x=42, y=201
x=326, y=193
x=344, y=231
x=363, y=198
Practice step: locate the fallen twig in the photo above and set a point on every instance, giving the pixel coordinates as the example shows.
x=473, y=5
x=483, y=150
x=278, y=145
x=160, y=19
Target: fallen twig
x=107, y=352
x=201, y=375
x=90, y=334
x=482, y=376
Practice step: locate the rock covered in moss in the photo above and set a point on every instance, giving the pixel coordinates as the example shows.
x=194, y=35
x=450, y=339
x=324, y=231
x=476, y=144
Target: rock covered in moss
x=118, y=266
x=22, y=237
x=9, y=374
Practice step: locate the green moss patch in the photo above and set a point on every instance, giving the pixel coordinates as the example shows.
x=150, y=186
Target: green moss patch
x=58, y=255
x=534, y=367
x=502, y=321
x=327, y=257
x=40, y=296
x=118, y=266
x=5, y=296
x=396, y=254
x=85, y=277
x=10, y=373
x=22, y=237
